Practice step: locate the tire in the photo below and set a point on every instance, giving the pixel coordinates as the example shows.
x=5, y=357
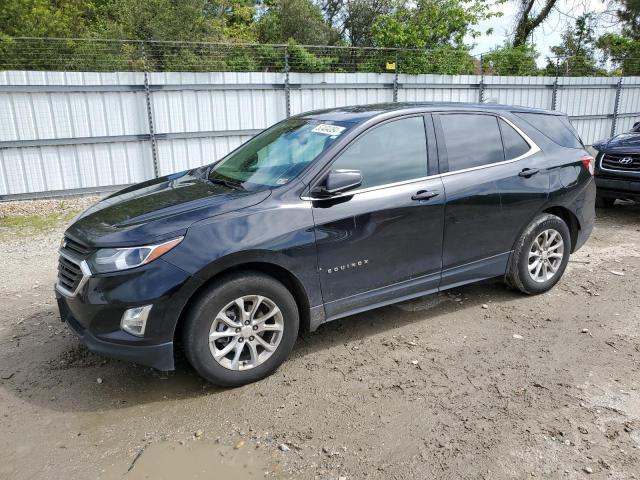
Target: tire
x=525, y=254
x=255, y=362
x=604, y=202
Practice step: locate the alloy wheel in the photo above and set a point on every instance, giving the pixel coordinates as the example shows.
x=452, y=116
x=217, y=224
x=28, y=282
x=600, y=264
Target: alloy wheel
x=246, y=332
x=545, y=255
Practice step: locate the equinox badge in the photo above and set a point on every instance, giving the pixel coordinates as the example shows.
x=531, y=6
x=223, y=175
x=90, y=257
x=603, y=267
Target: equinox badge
x=356, y=264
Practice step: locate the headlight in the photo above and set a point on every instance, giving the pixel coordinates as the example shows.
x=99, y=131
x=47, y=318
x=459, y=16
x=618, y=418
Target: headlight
x=115, y=259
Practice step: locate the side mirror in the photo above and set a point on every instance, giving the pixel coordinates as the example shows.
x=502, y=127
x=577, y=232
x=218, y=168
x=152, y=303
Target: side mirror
x=338, y=181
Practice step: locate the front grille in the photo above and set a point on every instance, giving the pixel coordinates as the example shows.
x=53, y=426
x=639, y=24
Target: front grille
x=76, y=247
x=72, y=254
x=623, y=163
x=69, y=274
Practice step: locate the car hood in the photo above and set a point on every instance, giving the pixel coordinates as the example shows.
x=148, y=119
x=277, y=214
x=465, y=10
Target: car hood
x=157, y=209
x=622, y=143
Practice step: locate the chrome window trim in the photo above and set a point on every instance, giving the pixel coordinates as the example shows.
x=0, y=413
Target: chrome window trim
x=86, y=274
x=533, y=147
x=370, y=189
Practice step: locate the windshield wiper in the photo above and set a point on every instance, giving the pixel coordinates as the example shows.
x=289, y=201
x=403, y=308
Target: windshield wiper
x=226, y=183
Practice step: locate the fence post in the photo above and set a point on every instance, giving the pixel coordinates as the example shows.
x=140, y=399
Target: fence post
x=147, y=93
x=287, y=89
x=554, y=94
x=395, y=80
x=616, y=106
x=481, y=85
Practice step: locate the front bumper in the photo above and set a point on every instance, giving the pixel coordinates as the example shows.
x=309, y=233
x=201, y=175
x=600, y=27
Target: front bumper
x=156, y=356
x=625, y=188
x=95, y=311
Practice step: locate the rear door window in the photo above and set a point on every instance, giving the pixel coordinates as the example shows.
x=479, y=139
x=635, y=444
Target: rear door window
x=471, y=140
x=514, y=145
x=393, y=152
x=555, y=127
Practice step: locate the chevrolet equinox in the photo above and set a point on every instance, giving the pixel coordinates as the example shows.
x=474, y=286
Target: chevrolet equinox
x=321, y=216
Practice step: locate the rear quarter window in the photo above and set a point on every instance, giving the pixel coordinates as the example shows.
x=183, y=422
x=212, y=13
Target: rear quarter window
x=555, y=127
x=514, y=145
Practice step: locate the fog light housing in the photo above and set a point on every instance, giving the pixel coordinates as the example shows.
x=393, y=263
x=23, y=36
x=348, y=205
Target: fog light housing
x=134, y=320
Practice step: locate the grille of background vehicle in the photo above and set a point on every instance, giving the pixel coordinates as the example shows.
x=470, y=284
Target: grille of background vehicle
x=612, y=162
x=71, y=256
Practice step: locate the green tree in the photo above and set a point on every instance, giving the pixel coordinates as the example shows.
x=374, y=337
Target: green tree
x=45, y=18
x=302, y=60
x=42, y=18
x=159, y=20
x=353, y=19
x=298, y=20
x=437, y=29
x=623, y=49
x=184, y=21
x=446, y=60
x=432, y=24
x=510, y=60
x=629, y=14
x=576, y=53
x=238, y=21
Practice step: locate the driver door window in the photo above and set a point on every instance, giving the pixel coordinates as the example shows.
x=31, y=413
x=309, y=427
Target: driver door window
x=393, y=152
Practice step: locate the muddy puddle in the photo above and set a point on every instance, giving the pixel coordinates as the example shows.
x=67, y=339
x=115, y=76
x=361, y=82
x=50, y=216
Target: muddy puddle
x=195, y=460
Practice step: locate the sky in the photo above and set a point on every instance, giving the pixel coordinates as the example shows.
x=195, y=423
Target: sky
x=547, y=35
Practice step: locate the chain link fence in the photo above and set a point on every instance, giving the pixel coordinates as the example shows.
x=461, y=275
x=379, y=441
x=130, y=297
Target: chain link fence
x=98, y=55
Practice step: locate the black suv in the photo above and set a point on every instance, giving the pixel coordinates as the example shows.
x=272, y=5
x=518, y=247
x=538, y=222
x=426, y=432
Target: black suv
x=321, y=216
x=618, y=168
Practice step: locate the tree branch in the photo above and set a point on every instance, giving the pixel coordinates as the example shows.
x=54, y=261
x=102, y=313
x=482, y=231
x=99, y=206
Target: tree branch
x=526, y=23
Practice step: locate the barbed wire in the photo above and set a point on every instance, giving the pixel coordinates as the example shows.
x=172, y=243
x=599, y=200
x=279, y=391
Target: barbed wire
x=110, y=55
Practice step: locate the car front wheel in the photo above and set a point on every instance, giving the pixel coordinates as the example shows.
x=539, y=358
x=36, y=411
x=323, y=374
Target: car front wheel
x=241, y=329
x=540, y=255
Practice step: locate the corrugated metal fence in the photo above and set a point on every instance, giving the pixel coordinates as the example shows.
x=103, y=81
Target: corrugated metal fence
x=65, y=132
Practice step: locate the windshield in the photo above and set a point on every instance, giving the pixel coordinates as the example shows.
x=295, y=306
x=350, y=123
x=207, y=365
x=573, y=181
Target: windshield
x=277, y=155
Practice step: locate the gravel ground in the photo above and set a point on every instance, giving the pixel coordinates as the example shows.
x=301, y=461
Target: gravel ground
x=60, y=206
x=480, y=382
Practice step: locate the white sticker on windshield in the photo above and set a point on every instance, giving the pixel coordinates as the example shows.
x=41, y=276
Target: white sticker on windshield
x=328, y=129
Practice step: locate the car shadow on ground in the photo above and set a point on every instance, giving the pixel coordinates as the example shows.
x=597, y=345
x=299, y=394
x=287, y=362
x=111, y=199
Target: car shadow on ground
x=623, y=213
x=422, y=309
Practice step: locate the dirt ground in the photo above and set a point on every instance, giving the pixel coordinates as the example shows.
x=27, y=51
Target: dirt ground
x=478, y=383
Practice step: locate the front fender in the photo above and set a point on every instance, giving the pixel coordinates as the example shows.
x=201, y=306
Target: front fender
x=280, y=234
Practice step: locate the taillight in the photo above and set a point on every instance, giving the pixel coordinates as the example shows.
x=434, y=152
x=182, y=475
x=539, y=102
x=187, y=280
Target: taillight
x=589, y=163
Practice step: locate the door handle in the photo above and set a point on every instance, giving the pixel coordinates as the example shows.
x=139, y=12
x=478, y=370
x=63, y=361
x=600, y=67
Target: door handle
x=528, y=172
x=424, y=195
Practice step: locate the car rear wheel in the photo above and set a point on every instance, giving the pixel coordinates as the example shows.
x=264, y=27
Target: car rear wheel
x=241, y=329
x=604, y=202
x=540, y=256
